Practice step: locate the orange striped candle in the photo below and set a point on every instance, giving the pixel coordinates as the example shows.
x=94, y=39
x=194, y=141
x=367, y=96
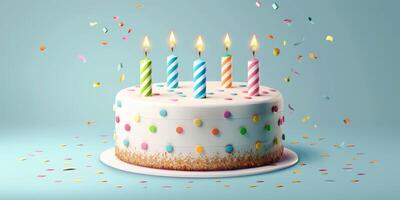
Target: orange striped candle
x=226, y=65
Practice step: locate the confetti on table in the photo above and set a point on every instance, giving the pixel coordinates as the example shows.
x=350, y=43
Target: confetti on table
x=104, y=43
x=258, y=3
x=41, y=175
x=279, y=185
x=306, y=136
x=90, y=122
x=69, y=169
x=312, y=56
x=42, y=48
x=296, y=181
x=329, y=38
x=306, y=118
x=121, y=77
x=119, y=186
x=287, y=21
x=275, y=6
x=329, y=180
x=92, y=24
x=270, y=36
x=294, y=142
x=310, y=20
x=96, y=84
x=355, y=180
x=82, y=58
x=125, y=38
x=252, y=186
x=276, y=51
x=347, y=120
x=296, y=171
x=105, y=30
x=77, y=180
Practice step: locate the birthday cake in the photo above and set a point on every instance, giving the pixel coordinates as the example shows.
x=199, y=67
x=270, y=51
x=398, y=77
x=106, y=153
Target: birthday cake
x=172, y=130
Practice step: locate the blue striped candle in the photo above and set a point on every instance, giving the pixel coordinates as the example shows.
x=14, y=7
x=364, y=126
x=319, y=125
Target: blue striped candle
x=199, y=79
x=172, y=72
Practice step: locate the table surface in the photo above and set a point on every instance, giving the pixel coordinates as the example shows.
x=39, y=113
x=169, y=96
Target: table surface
x=333, y=164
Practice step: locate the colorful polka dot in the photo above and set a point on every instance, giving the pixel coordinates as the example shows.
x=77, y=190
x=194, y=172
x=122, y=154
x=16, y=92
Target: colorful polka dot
x=228, y=99
x=275, y=141
x=153, y=128
x=179, y=130
x=169, y=148
x=267, y=127
x=144, y=146
x=126, y=142
x=283, y=137
x=197, y=122
x=136, y=118
x=234, y=94
x=215, y=131
x=228, y=148
x=199, y=149
x=247, y=97
x=227, y=114
x=255, y=118
x=127, y=127
x=274, y=109
x=243, y=130
x=117, y=119
x=163, y=113
x=259, y=145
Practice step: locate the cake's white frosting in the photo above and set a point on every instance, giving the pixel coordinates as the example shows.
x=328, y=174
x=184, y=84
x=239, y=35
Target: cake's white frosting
x=168, y=109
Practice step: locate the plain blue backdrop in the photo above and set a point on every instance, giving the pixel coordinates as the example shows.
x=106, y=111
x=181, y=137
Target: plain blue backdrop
x=47, y=97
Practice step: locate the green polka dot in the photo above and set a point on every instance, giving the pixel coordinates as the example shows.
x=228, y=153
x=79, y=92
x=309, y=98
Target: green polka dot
x=243, y=130
x=153, y=128
x=267, y=127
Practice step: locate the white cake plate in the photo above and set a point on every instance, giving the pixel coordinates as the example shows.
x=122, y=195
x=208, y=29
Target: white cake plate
x=108, y=157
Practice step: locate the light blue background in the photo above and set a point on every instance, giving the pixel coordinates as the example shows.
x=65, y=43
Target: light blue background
x=47, y=97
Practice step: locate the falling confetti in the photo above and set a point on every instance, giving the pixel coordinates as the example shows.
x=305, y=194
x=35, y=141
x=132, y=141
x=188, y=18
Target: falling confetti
x=329, y=38
x=120, y=66
x=104, y=43
x=139, y=6
x=374, y=161
x=299, y=43
x=130, y=30
x=116, y=17
x=294, y=71
x=310, y=20
x=347, y=120
x=42, y=48
x=290, y=107
x=275, y=6
x=284, y=42
x=69, y=169
x=121, y=24
x=258, y=3
x=306, y=118
x=276, y=51
x=92, y=24
x=270, y=36
x=96, y=84
x=287, y=21
x=296, y=181
x=326, y=97
x=299, y=58
x=312, y=56
x=82, y=58
x=296, y=171
x=121, y=77
x=105, y=30
x=124, y=38
x=355, y=180
x=279, y=186
x=286, y=79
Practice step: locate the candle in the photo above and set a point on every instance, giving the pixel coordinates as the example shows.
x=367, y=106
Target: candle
x=172, y=65
x=199, y=72
x=253, y=80
x=145, y=71
x=226, y=65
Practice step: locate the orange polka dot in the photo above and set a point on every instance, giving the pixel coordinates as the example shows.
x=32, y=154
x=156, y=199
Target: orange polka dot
x=215, y=131
x=179, y=130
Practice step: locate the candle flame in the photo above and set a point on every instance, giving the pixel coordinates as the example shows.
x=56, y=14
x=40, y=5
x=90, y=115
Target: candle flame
x=146, y=44
x=254, y=43
x=200, y=44
x=172, y=41
x=227, y=41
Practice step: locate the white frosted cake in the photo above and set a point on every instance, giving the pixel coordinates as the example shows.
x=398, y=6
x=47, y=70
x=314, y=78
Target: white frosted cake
x=172, y=130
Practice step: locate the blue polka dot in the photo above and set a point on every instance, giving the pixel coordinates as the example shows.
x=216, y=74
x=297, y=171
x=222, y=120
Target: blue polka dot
x=160, y=85
x=210, y=93
x=119, y=104
x=171, y=90
x=229, y=148
x=178, y=92
x=233, y=94
x=182, y=95
x=126, y=142
x=169, y=148
x=163, y=113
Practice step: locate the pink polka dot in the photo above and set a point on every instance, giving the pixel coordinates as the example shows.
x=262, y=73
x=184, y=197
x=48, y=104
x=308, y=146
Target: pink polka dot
x=117, y=119
x=144, y=146
x=247, y=97
x=156, y=94
x=265, y=92
x=244, y=91
x=127, y=127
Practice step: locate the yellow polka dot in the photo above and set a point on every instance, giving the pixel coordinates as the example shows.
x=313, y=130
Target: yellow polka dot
x=197, y=122
x=259, y=145
x=199, y=149
x=275, y=141
x=255, y=118
x=136, y=118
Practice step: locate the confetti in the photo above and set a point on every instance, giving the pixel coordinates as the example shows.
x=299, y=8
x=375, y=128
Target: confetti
x=330, y=180
x=22, y=159
x=306, y=118
x=286, y=79
x=290, y=107
x=287, y=21
x=355, y=180
x=294, y=71
x=296, y=181
x=306, y=136
x=326, y=97
x=104, y=43
x=116, y=17
x=279, y=186
x=276, y=51
x=296, y=171
x=329, y=38
x=41, y=176
x=125, y=38
x=121, y=24
x=275, y=6
x=82, y=58
x=130, y=30
x=139, y=6
x=310, y=20
x=119, y=186
x=299, y=58
x=258, y=3
x=347, y=120
x=90, y=122
x=284, y=42
x=96, y=84
x=270, y=36
x=252, y=186
x=312, y=56
x=42, y=48
x=120, y=66
x=92, y=24
x=69, y=169
x=121, y=77
x=105, y=30
x=299, y=43
x=374, y=161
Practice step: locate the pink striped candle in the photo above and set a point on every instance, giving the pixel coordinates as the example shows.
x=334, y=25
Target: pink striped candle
x=253, y=75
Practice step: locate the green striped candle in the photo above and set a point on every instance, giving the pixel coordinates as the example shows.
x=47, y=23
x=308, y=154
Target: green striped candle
x=145, y=77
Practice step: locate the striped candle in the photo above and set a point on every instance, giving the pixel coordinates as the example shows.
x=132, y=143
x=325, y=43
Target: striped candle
x=253, y=84
x=145, y=77
x=199, y=79
x=226, y=71
x=172, y=72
